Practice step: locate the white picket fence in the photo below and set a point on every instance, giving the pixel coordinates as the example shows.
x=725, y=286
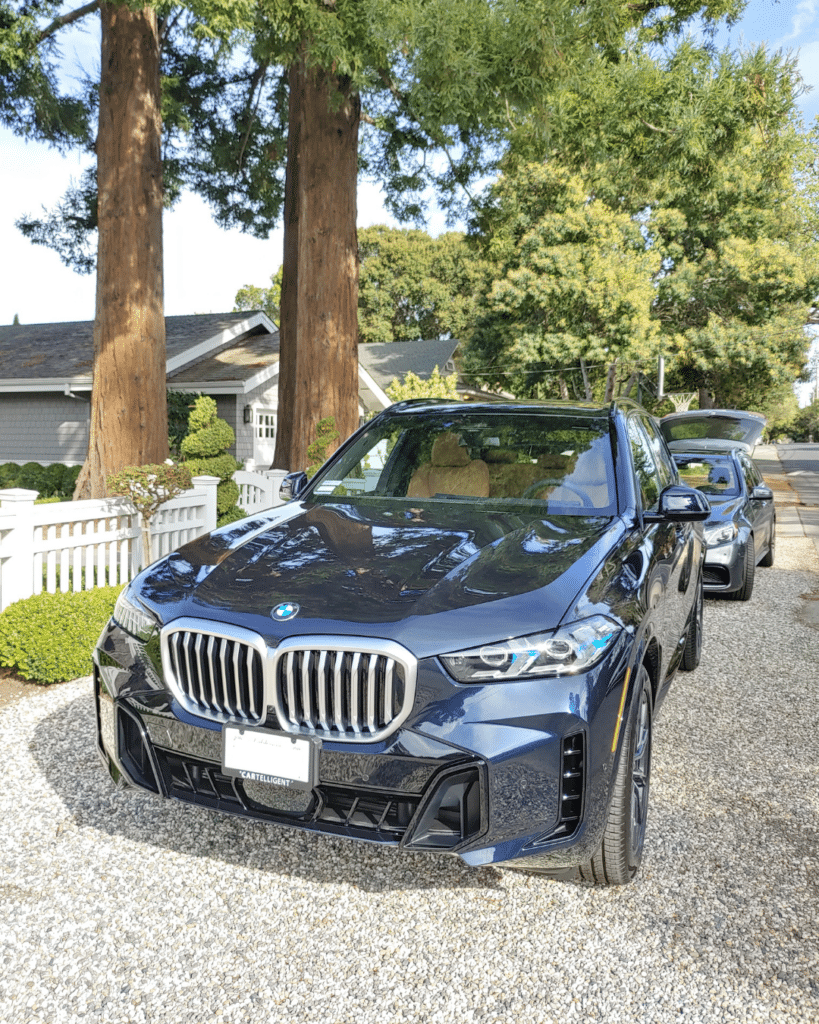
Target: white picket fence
x=79, y=545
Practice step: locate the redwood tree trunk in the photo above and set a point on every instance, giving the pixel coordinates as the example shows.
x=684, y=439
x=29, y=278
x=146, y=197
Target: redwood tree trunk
x=318, y=372
x=129, y=423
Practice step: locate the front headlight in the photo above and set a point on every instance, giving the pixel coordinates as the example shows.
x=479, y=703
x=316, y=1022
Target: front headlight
x=720, y=534
x=132, y=618
x=565, y=651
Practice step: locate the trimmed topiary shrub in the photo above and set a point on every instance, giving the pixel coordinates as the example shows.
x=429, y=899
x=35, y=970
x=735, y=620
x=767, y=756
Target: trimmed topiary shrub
x=48, y=638
x=223, y=466
x=205, y=451
x=207, y=434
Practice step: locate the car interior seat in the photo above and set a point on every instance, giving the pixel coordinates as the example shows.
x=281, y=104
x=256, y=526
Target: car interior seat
x=450, y=471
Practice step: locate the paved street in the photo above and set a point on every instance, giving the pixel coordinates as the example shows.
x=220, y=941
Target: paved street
x=792, y=470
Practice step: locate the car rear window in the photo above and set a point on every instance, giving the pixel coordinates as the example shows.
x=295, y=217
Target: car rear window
x=711, y=475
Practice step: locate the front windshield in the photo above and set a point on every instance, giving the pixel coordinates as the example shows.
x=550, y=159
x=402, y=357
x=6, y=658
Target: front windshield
x=562, y=462
x=710, y=474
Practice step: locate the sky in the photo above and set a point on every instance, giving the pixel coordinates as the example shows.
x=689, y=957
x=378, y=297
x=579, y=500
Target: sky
x=204, y=265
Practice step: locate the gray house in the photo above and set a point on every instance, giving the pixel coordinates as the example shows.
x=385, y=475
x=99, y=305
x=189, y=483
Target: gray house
x=46, y=370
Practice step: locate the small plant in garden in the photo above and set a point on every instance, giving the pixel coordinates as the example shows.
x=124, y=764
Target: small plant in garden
x=326, y=433
x=149, y=487
x=204, y=449
x=48, y=638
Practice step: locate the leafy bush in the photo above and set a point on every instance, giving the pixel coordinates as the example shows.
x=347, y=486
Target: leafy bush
x=148, y=488
x=227, y=494
x=48, y=638
x=179, y=404
x=54, y=481
x=436, y=386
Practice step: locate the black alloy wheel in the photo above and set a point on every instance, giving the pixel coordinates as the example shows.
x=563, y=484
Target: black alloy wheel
x=748, y=572
x=768, y=559
x=621, y=851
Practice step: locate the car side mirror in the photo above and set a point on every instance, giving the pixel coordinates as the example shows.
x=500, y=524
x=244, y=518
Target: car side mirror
x=292, y=486
x=762, y=493
x=679, y=504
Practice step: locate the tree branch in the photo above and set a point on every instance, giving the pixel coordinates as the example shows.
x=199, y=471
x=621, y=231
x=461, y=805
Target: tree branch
x=67, y=19
x=257, y=81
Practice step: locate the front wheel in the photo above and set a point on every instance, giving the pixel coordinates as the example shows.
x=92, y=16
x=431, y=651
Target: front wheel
x=748, y=573
x=621, y=851
x=770, y=554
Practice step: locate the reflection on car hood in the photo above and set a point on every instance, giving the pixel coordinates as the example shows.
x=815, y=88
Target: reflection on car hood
x=725, y=510
x=383, y=562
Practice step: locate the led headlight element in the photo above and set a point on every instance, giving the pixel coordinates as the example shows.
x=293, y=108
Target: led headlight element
x=566, y=651
x=720, y=534
x=132, y=618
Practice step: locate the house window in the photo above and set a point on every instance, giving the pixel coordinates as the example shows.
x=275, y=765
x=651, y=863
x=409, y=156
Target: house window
x=265, y=424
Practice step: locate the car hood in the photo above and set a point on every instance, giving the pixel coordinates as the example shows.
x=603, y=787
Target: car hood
x=725, y=510
x=704, y=429
x=385, y=569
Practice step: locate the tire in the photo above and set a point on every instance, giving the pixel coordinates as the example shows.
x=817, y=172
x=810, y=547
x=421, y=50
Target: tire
x=768, y=560
x=748, y=572
x=693, y=642
x=621, y=851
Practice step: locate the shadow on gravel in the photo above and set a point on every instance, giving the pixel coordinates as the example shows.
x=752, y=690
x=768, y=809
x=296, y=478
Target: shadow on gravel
x=64, y=748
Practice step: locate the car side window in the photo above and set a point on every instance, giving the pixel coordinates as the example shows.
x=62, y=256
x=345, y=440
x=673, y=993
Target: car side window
x=662, y=457
x=750, y=472
x=645, y=468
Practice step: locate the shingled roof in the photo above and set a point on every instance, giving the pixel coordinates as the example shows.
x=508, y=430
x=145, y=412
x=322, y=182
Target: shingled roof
x=219, y=347
x=387, y=360
x=214, y=351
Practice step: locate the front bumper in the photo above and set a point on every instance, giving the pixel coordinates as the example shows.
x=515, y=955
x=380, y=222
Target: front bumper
x=493, y=772
x=724, y=566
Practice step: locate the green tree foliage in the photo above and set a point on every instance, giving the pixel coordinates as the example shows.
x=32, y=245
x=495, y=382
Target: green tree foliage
x=413, y=286
x=574, y=285
x=251, y=297
x=705, y=156
x=318, y=450
x=804, y=426
x=412, y=386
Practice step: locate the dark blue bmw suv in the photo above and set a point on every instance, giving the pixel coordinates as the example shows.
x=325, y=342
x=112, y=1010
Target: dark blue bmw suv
x=454, y=638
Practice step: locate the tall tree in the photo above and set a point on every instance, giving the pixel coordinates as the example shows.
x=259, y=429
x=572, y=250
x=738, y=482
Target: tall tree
x=128, y=416
x=704, y=155
x=129, y=423
x=128, y=411
x=439, y=86
x=574, y=287
x=436, y=86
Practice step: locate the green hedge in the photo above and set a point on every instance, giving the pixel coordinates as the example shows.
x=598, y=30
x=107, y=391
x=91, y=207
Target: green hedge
x=48, y=638
x=54, y=481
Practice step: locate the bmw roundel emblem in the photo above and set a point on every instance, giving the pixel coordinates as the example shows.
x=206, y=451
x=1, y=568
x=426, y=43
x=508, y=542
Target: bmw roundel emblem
x=283, y=612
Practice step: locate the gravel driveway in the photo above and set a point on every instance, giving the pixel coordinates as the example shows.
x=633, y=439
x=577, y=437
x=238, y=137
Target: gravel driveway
x=118, y=906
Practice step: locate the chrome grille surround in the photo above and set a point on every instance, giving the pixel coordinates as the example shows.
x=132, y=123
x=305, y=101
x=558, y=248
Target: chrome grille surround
x=216, y=671
x=339, y=688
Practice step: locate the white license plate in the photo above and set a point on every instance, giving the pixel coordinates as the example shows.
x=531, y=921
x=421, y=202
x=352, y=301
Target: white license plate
x=264, y=756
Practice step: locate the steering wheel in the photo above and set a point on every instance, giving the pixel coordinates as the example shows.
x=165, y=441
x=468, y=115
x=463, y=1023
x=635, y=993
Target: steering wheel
x=530, y=492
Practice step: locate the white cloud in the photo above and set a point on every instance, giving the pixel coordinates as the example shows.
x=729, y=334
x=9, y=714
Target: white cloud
x=801, y=21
